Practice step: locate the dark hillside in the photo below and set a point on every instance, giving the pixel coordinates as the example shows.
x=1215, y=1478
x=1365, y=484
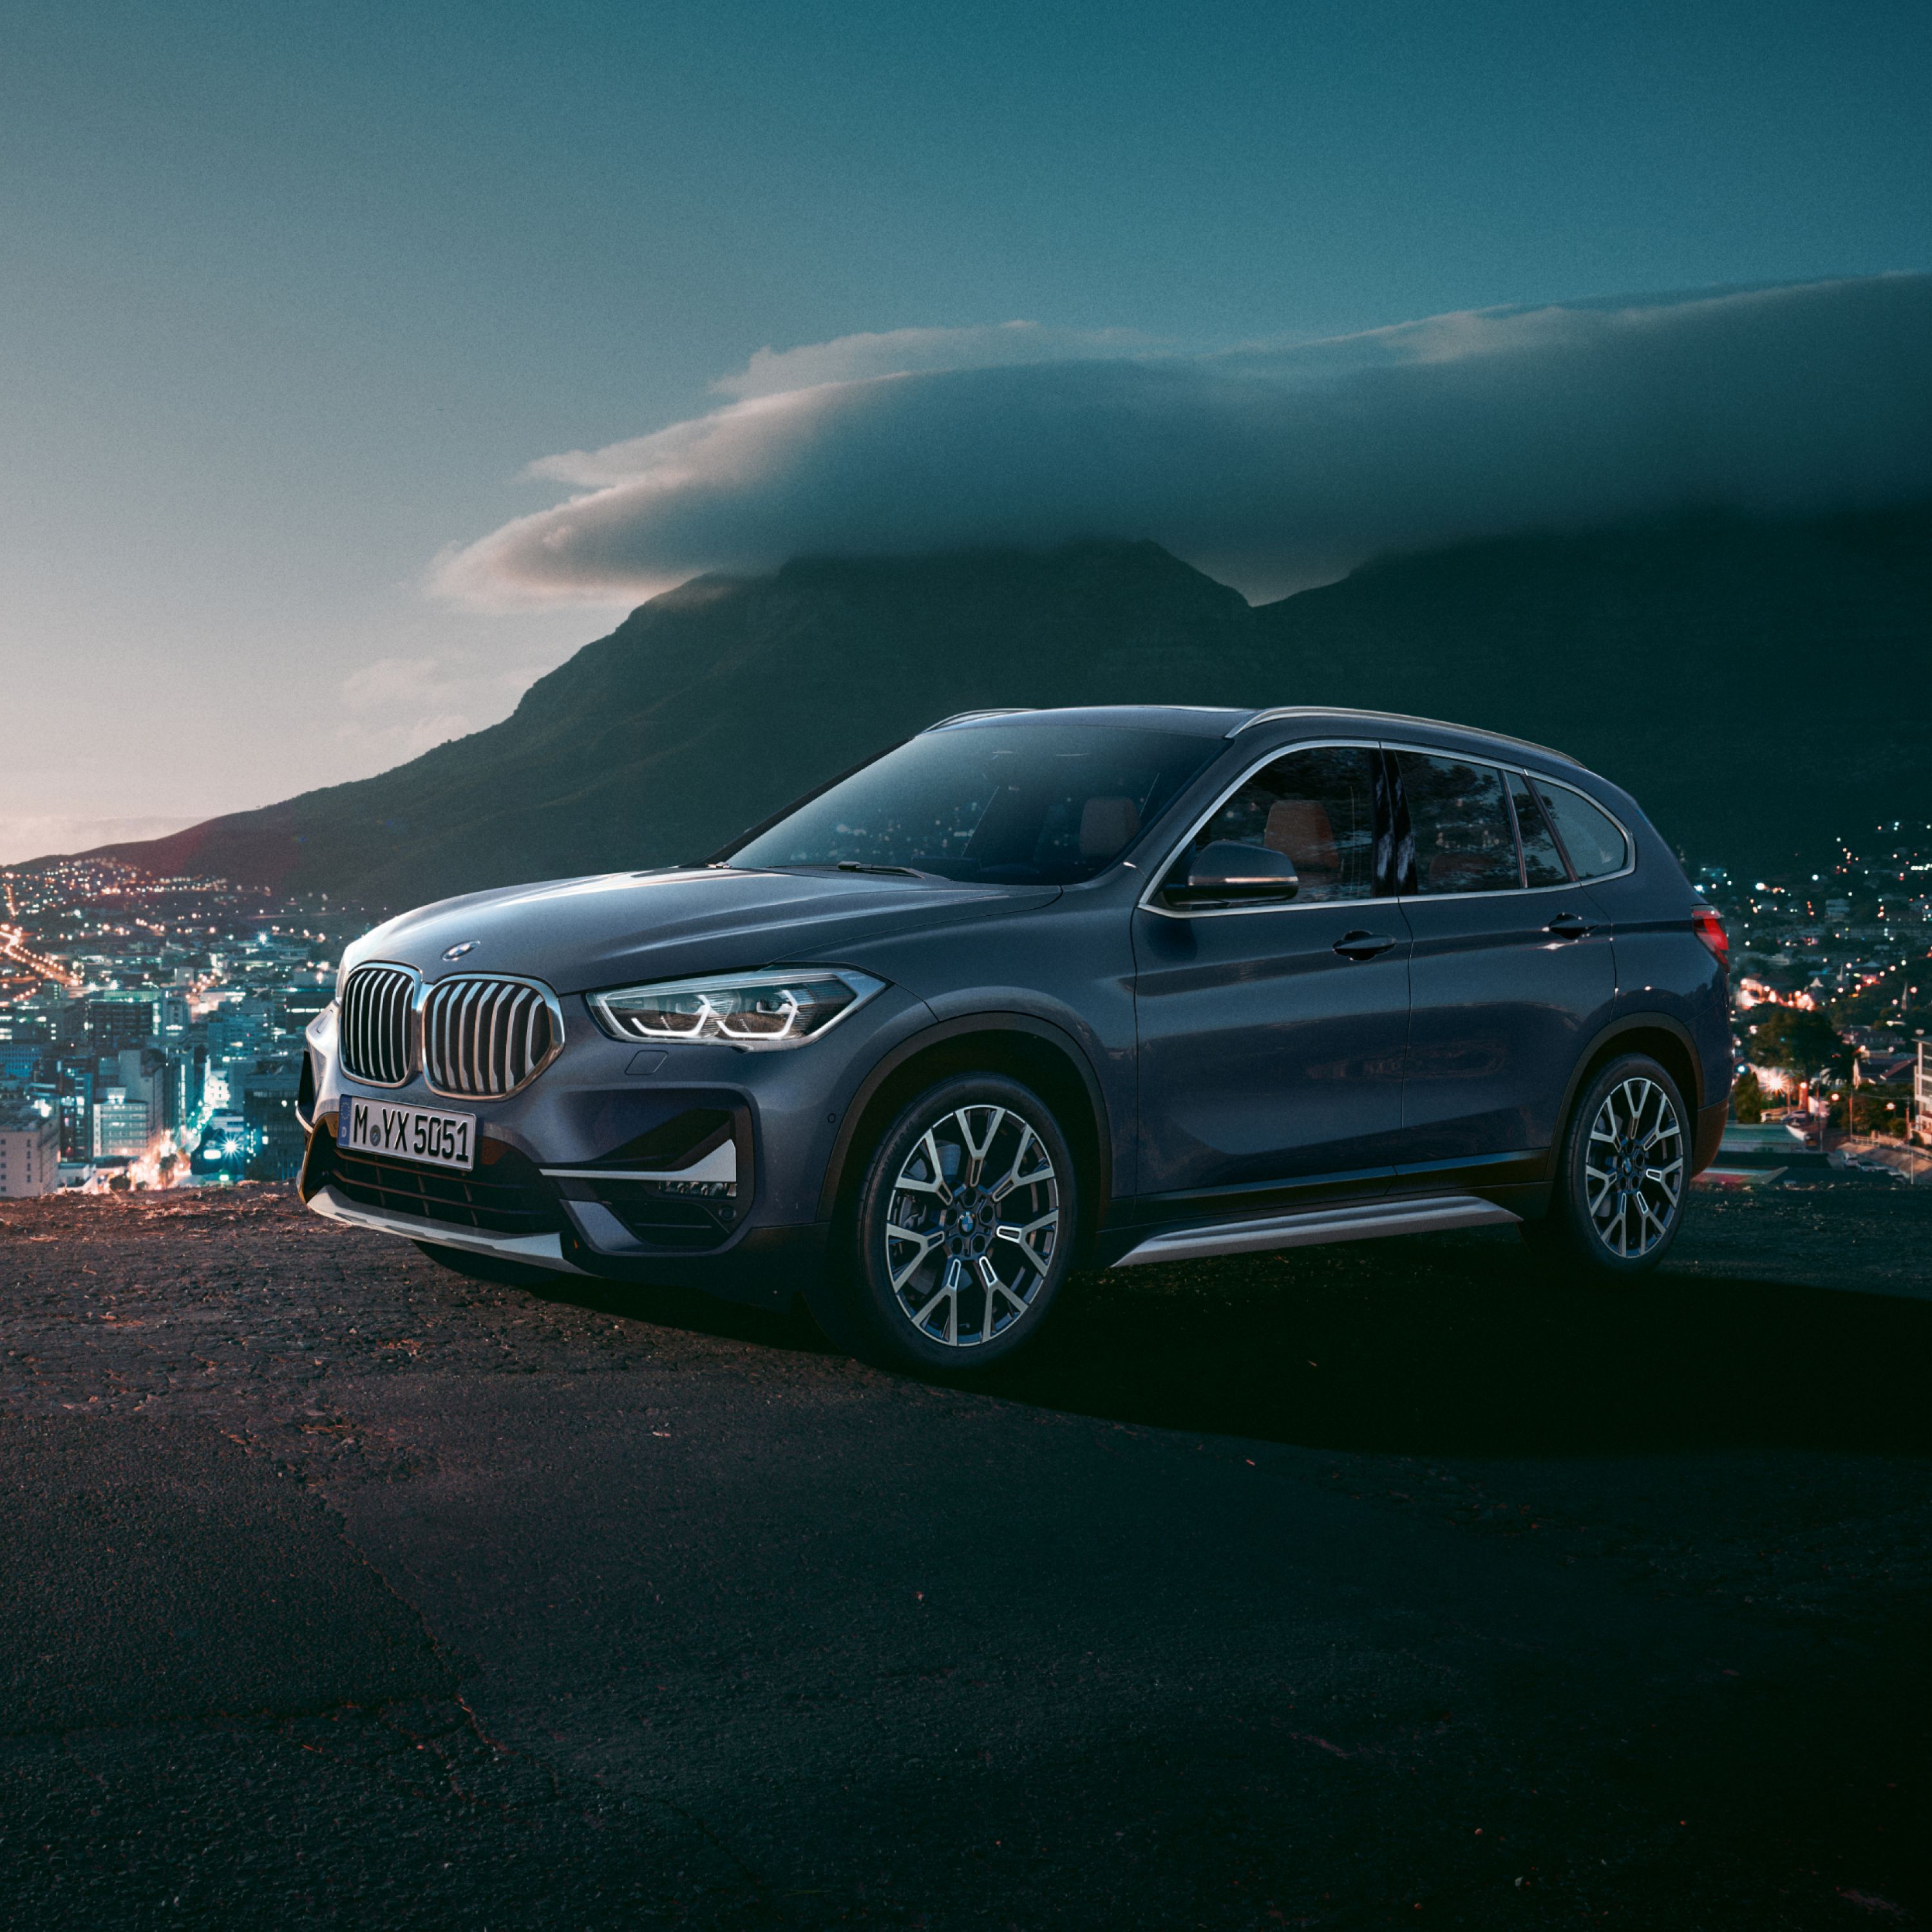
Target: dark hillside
x=710, y=707
x=1761, y=686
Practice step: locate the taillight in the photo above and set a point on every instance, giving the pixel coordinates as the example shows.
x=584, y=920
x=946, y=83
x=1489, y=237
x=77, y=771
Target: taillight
x=1710, y=928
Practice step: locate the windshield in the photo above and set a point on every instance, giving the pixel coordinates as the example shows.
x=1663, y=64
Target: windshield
x=997, y=804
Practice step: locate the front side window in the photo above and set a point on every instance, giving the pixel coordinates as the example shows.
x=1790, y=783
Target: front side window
x=1460, y=839
x=1000, y=804
x=1316, y=808
x=1592, y=838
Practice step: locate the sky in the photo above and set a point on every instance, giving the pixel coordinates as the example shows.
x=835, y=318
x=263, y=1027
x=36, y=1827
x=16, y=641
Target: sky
x=358, y=364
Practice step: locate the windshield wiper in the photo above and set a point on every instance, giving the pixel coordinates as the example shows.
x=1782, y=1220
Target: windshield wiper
x=900, y=872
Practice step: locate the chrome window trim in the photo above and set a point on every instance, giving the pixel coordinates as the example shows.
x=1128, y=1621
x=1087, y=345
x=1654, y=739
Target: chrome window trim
x=1146, y=902
x=412, y=1024
x=553, y=1005
x=1281, y=711
x=1629, y=843
x=1533, y=777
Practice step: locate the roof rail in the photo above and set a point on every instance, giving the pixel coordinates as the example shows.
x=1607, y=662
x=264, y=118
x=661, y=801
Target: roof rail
x=992, y=711
x=1397, y=718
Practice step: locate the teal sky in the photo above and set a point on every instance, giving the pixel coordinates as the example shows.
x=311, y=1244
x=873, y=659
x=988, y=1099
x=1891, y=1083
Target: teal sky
x=292, y=295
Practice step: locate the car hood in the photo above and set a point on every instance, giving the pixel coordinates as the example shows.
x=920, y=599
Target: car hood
x=619, y=928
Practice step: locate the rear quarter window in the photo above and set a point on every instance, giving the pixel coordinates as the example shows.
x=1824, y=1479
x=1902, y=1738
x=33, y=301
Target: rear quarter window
x=1594, y=840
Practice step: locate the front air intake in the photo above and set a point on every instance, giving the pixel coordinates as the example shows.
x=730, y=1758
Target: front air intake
x=373, y=1026
x=484, y=1037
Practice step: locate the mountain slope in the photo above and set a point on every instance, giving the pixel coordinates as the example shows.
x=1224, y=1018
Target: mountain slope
x=1764, y=687
x=712, y=705
x=1761, y=686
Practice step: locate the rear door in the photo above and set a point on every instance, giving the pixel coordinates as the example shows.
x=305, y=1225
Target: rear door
x=1271, y=1038
x=1511, y=973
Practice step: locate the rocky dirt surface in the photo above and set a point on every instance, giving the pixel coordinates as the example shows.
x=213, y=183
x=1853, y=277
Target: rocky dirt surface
x=1387, y=1584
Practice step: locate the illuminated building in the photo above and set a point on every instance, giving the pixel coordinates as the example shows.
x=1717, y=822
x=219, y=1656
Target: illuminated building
x=118, y=1020
x=122, y=1128
x=29, y=1150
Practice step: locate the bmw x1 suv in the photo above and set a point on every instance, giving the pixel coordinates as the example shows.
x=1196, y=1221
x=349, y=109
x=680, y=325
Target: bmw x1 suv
x=1042, y=990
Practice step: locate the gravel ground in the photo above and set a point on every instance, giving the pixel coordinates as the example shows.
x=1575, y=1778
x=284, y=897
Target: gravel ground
x=1389, y=1583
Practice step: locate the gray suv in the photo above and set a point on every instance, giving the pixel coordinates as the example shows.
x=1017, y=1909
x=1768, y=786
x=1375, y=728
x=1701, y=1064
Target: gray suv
x=1040, y=990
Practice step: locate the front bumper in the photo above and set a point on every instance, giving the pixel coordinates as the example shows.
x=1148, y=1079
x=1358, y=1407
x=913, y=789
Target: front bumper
x=696, y=1165
x=544, y=1251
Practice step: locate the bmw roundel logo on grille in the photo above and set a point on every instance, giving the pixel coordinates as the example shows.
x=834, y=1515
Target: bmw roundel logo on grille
x=458, y=951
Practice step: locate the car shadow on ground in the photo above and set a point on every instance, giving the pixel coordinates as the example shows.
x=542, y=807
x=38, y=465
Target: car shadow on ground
x=1444, y=1344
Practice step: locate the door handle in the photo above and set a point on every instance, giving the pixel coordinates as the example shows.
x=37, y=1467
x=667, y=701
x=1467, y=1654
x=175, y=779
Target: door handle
x=1363, y=945
x=1569, y=926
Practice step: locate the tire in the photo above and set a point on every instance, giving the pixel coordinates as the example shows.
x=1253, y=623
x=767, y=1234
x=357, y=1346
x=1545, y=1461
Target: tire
x=487, y=1267
x=1623, y=1175
x=919, y=1277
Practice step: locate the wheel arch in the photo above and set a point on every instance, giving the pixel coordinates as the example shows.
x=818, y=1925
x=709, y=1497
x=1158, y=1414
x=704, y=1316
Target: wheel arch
x=1021, y=1047
x=1667, y=1041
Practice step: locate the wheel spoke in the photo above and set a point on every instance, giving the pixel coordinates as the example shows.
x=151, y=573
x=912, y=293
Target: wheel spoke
x=948, y=1291
x=1649, y=1219
x=935, y=1166
x=976, y=1151
x=1022, y=1236
x=1013, y=1177
x=923, y=1245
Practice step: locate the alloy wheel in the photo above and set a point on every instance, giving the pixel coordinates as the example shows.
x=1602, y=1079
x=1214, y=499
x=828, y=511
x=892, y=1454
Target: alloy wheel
x=972, y=1225
x=1634, y=1168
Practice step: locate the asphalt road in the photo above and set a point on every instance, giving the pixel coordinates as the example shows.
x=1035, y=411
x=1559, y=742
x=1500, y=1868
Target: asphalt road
x=1375, y=1585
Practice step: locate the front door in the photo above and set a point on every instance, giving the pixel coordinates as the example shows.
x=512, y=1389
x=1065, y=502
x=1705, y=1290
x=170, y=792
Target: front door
x=1271, y=1038
x=1510, y=975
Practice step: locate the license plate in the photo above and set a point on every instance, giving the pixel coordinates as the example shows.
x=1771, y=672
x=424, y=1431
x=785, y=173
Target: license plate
x=408, y=1133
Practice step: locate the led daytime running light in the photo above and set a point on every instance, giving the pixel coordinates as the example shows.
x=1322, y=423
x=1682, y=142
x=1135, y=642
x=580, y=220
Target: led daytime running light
x=752, y=1010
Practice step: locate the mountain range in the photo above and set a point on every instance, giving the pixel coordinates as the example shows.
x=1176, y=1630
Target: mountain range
x=1763, y=687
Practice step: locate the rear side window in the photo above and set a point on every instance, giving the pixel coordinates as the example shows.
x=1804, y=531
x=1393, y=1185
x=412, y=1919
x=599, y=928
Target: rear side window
x=1542, y=856
x=1591, y=837
x=1460, y=838
x=1318, y=808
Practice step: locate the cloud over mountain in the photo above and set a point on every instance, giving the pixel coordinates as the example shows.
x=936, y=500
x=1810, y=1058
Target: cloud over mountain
x=1272, y=467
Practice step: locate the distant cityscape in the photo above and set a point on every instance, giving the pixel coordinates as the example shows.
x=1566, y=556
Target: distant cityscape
x=151, y=1029
x=1831, y=991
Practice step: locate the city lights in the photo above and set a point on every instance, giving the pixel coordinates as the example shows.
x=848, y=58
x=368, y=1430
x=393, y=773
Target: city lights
x=157, y=1020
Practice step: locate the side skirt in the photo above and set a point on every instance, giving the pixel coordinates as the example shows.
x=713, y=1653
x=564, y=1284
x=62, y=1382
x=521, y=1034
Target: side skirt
x=1313, y=1227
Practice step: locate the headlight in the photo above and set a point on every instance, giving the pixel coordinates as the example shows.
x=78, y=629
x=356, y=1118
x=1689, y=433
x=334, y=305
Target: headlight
x=752, y=1009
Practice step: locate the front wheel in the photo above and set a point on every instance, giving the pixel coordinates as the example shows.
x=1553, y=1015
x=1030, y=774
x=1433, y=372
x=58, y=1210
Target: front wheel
x=1623, y=1170
x=961, y=1234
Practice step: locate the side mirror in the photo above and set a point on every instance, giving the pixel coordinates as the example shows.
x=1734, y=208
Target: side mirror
x=1224, y=874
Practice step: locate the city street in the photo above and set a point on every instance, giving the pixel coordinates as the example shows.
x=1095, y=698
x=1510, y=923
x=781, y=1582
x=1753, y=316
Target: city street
x=1368, y=1585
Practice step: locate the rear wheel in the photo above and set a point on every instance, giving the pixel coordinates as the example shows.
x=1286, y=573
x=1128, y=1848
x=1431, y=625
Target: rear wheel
x=1622, y=1174
x=961, y=1233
